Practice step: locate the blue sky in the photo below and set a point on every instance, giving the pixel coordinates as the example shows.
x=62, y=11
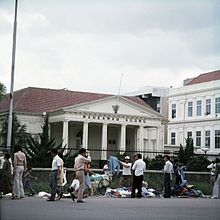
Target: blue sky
x=85, y=45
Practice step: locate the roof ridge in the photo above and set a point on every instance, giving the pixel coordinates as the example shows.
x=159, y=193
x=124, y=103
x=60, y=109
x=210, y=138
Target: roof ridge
x=64, y=89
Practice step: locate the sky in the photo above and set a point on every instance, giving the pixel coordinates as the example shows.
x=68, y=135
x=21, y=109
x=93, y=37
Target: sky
x=86, y=45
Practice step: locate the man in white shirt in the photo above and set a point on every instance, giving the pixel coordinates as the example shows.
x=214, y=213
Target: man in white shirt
x=55, y=173
x=138, y=168
x=212, y=168
x=126, y=173
x=79, y=166
x=168, y=170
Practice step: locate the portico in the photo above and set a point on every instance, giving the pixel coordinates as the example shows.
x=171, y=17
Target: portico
x=106, y=133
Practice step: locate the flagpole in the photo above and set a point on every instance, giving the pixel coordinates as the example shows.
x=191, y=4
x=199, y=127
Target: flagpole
x=9, y=134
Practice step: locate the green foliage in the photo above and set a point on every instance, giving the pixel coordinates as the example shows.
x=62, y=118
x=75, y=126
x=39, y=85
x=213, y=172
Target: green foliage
x=156, y=163
x=147, y=161
x=185, y=154
x=181, y=155
x=189, y=150
x=69, y=160
x=2, y=91
x=198, y=163
x=19, y=134
x=204, y=187
x=38, y=151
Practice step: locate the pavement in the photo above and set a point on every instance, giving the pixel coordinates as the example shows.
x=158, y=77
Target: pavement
x=101, y=208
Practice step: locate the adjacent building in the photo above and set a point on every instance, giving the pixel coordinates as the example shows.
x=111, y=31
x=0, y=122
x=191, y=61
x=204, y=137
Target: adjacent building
x=194, y=112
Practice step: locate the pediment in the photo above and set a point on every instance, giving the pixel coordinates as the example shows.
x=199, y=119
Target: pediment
x=127, y=107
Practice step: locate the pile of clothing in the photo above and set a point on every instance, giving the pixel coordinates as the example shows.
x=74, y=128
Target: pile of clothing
x=125, y=192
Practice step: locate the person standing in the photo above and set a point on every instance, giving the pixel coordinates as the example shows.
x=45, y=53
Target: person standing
x=126, y=173
x=5, y=151
x=60, y=180
x=212, y=172
x=216, y=188
x=6, y=177
x=79, y=167
x=168, y=169
x=55, y=173
x=20, y=164
x=138, y=167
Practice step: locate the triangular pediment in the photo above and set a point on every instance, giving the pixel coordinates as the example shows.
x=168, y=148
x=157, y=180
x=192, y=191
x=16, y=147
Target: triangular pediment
x=126, y=107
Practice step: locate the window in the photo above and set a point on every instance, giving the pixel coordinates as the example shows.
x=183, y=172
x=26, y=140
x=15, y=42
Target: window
x=190, y=109
x=189, y=134
x=217, y=139
x=199, y=108
x=173, y=138
x=173, y=110
x=208, y=107
x=217, y=105
x=158, y=105
x=207, y=139
x=198, y=138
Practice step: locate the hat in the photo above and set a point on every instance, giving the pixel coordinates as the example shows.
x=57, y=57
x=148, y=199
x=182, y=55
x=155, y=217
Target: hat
x=127, y=158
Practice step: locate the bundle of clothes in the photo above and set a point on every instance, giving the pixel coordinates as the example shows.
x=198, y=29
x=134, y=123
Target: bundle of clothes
x=125, y=192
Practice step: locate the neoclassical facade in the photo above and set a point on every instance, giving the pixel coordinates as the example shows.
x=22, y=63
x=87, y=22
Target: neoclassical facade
x=194, y=111
x=87, y=119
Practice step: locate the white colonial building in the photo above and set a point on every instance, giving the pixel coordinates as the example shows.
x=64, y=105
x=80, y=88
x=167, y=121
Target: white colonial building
x=88, y=120
x=194, y=111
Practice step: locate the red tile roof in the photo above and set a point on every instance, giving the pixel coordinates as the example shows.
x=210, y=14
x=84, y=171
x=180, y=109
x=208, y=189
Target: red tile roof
x=206, y=77
x=38, y=100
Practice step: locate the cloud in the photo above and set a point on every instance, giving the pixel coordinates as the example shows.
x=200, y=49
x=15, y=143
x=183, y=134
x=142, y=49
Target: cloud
x=86, y=45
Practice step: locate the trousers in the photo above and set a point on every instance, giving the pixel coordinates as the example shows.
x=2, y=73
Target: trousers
x=18, y=188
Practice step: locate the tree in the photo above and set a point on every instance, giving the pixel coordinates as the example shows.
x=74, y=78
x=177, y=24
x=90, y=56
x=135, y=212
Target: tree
x=156, y=163
x=181, y=155
x=2, y=91
x=189, y=150
x=19, y=134
x=198, y=163
x=185, y=154
x=38, y=149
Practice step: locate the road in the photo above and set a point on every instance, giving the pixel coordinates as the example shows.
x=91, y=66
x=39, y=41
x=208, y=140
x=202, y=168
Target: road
x=97, y=208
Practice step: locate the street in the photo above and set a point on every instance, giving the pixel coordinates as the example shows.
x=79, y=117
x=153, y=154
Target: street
x=99, y=208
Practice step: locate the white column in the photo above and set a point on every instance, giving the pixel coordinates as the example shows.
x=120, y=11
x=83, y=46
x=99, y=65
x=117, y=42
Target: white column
x=212, y=138
x=104, y=141
x=159, y=139
x=85, y=134
x=202, y=136
x=65, y=134
x=123, y=138
x=140, y=139
x=213, y=106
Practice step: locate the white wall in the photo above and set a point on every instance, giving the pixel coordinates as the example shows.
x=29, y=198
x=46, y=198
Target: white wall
x=184, y=123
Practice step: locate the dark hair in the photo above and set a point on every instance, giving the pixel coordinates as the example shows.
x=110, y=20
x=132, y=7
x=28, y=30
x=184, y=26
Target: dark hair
x=139, y=156
x=82, y=150
x=17, y=148
x=5, y=151
x=60, y=154
x=7, y=155
x=168, y=157
x=54, y=150
x=176, y=160
x=217, y=160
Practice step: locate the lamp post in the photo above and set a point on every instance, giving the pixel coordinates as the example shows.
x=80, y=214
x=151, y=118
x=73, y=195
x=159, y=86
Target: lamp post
x=12, y=79
x=205, y=150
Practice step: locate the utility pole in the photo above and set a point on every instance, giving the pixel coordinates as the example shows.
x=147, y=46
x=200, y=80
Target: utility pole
x=12, y=79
